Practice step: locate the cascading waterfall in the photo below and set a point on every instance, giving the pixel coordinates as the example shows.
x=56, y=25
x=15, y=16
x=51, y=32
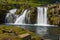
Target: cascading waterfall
x=42, y=20
x=27, y=16
x=42, y=15
x=11, y=17
x=45, y=15
x=21, y=19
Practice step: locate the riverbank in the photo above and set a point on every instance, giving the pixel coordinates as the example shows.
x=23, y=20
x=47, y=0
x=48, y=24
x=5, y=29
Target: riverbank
x=14, y=31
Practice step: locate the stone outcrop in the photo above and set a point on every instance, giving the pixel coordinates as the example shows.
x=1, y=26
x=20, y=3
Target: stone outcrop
x=54, y=14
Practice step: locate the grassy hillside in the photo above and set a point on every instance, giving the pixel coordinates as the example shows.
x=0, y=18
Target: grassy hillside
x=29, y=2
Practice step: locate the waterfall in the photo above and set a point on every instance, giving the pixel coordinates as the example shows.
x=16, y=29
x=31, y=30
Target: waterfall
x=27, y=17
x=45, y=15
x=40, y=28
x=42, y=21
x=21, y=18
x=42, y=15
x=13, y=11
x=11, y=17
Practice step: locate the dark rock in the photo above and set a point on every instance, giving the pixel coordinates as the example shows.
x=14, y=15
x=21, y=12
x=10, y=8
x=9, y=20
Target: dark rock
x=2, y=16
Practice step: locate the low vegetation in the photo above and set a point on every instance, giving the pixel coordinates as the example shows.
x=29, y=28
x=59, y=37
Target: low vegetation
x=54, y=14
x=13, y=32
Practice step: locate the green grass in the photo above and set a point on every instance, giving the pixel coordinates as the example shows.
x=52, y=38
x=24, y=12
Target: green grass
x=30, y=2
x=6, y=35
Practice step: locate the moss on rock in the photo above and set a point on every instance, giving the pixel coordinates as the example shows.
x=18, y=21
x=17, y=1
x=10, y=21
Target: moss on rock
x=33, y=15
x=53, y=15
x=13, y=32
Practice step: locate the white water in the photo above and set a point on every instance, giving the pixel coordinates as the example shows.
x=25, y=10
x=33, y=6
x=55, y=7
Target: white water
x=13, y=11
x=42, y=16
x=27, y=17
x=11, y=17
x=41, y=21
x=45, y=15
x=21, y=19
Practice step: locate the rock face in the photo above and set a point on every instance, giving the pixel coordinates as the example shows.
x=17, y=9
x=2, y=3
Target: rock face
x=54, y=15
x=33, y=15
x=2, y=16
